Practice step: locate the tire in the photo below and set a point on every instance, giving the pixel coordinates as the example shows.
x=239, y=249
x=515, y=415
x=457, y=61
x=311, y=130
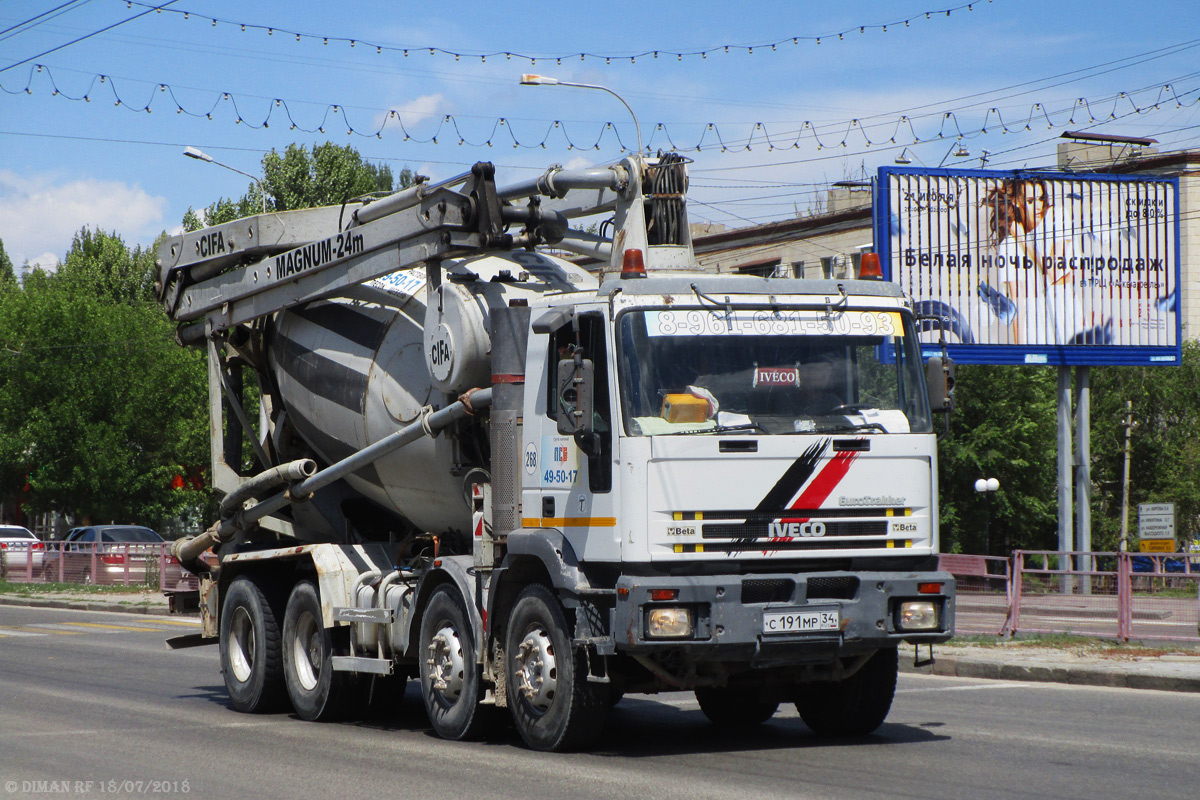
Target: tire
x=251, y=649
x=451, y=687
x=853, y=707
x=316, y=691
x=731, y=707
x=553, y=704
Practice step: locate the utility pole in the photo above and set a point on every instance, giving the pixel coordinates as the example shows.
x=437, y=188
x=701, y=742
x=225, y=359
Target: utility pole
x=1124, y=547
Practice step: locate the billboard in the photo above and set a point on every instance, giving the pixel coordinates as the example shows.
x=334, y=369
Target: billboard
x=1035, y=267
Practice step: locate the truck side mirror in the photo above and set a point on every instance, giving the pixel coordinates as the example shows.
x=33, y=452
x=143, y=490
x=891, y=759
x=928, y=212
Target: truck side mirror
x=939, y=379
x=576, y=383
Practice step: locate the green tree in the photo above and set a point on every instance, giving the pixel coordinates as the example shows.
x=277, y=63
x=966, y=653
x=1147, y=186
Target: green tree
x=99, y=408
x=1004, y=427
x=1164, y=446
x=8, y=276
x=102, y=262
x=328, y=175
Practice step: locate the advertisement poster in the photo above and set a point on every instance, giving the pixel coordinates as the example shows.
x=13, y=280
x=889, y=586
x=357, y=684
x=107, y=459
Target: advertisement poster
x=1041, y=268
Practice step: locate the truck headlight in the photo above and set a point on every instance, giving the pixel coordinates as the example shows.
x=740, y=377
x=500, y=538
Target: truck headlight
x=668, y=623
x=917, y=615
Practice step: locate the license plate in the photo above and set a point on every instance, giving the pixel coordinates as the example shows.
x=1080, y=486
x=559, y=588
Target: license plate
x=800, y=621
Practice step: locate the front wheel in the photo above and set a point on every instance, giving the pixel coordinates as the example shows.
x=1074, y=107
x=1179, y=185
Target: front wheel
x=734, y=707
x=316, y=691
x=450, y=683
x=251, y=652
x=553, y=704
x=855, y=706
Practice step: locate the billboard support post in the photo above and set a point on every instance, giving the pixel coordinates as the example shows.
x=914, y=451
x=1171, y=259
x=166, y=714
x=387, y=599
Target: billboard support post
x=1064, y=477
x=1083, y=471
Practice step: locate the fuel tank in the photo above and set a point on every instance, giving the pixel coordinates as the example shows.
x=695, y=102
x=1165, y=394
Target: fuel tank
x=354, y=369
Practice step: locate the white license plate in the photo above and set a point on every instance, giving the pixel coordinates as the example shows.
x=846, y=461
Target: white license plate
x=799, y=621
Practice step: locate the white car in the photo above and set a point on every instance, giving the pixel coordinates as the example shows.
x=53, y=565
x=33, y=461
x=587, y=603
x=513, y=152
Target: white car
x=20, y=552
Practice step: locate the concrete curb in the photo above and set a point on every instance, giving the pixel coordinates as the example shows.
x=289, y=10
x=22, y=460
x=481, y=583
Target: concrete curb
x=91, y=605
x=1074, y=674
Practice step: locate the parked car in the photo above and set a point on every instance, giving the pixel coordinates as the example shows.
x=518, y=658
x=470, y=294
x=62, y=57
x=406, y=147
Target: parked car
x=21, y=552
x=54, y=550
x=110, y=554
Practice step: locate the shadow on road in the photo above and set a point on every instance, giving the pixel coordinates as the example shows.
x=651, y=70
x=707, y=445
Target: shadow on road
x=639, y=727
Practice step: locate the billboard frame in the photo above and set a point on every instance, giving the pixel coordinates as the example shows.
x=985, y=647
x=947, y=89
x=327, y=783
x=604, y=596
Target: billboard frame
x=1038, y=354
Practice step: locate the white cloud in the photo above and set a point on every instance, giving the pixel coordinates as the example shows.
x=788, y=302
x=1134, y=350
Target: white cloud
x=40, y=213
x=413, y=112
x=47, y=261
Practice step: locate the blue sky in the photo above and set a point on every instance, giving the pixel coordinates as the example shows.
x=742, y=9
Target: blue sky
x=832, y=109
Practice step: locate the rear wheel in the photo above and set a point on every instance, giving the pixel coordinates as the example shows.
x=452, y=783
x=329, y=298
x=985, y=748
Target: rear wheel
x=855, y=706
x=732, y=707
x=251, y=652
x=553, y=704
x=316, y=691
x=450, y=683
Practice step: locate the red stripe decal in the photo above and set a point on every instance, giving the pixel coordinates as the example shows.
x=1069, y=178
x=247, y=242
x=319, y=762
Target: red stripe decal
x=825, y=482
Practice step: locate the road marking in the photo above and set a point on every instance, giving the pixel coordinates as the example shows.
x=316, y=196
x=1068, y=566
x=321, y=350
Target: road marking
x=32, y=630
x=112, y=627
x=975, y=688
x=191, y=623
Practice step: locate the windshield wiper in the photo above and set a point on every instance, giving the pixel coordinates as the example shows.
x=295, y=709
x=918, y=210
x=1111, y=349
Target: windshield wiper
x=743, y=428
x=856, y=426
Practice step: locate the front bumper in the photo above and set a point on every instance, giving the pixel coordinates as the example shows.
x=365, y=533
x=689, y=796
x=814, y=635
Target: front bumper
x=728, y=613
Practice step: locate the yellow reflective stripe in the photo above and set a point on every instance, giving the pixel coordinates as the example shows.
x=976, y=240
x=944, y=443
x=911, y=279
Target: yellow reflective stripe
x=29, y=630
x=569, y=522
x=110, y=627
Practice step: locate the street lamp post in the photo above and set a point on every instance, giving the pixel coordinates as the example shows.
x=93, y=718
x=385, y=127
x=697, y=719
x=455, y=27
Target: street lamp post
x=986, y=486
x=542, y=80
x=200, y=155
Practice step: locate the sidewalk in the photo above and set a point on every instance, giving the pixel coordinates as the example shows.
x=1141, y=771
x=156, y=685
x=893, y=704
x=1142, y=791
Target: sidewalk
x=125, y=603
x=1092, y=664
x=1098, y=664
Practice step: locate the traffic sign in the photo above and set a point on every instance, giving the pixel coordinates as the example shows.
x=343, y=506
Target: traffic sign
x=1157, y=545
x=1156, y=521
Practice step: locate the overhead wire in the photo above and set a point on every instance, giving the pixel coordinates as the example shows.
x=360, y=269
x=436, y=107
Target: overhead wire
x=769, y=46
x=38, y=19
x=710, y=137
x=88, y=36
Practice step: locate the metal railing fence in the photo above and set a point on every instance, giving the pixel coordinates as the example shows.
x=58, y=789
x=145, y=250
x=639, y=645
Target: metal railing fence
x=1108, y=595
x=105, y=564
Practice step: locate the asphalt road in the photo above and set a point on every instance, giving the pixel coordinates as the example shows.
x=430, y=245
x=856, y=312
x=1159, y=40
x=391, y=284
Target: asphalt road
x=89, y=696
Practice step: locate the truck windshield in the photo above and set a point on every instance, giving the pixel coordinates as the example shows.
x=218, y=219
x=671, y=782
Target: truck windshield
x=692, y=371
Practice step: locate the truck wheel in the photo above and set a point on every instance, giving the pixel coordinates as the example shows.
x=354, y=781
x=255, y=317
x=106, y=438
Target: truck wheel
x=450, y=682
x=251, y=653
x=553, y=704
x=317, y=692
x=734, y=707
x=853, y=707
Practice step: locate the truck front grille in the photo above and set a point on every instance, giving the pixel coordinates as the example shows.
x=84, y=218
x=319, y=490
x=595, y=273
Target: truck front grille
x=838, y=587
x=762, y=530
x=767, y=590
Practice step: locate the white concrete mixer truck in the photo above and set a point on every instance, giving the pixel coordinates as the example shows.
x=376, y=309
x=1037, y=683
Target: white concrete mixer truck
x=448, y=454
